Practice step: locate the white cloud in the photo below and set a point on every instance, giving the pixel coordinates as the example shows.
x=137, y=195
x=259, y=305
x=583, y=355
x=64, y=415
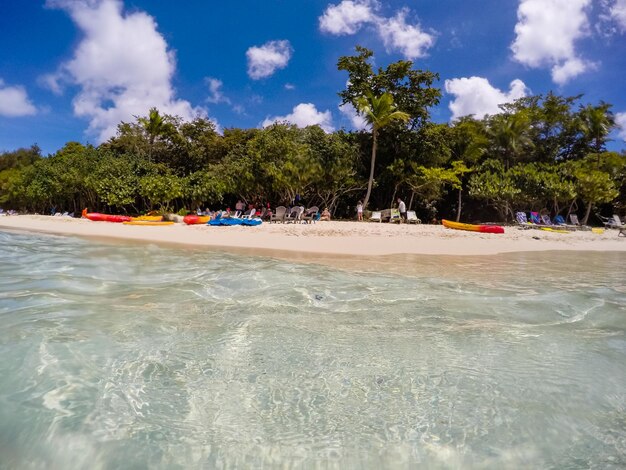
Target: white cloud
x=264, y=60
x=409, y=39
x=620, y=119
x=356, y=120
x=122, y=66
x=618, y=13
x=216, y=95
x=305, y=114
x=347, y=17
x=571, y=68
x=14, y=101
x=475, y=96
x=546, y=31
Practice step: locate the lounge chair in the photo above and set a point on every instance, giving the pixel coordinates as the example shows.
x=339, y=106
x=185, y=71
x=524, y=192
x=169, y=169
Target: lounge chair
x=310, y=214
x=294, y=215
x=534, y=218
x=574, y=220
x=545, y=220
x=617, y=223
x=613, y=222
x=249, y=215
x=522, y=219
x=279, y=215
x=395, y=216
x=376, y=216
x=411, y=218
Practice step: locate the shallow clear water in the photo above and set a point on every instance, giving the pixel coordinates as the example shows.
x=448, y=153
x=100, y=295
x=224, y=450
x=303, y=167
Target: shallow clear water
x=135, y=356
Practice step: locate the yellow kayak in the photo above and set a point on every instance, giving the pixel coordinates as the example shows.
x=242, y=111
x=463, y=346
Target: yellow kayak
x=556, y=230
x=148, y=223
x=147, y=218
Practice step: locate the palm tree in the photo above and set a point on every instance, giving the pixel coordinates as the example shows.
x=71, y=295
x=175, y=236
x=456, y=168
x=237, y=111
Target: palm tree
x=379, y=111
x=156, y=126
x=509, y=135
x=596, y=122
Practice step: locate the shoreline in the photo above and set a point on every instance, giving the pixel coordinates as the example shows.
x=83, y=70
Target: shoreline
x=335, y=238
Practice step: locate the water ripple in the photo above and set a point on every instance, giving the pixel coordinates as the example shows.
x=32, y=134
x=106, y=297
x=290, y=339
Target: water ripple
x=140, y=356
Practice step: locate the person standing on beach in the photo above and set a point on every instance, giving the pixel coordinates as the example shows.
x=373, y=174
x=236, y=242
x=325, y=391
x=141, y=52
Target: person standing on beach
x=359, y=211
x=402, y=209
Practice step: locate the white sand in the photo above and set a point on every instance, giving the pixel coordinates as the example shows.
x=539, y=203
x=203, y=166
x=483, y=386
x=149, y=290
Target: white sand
x=330, y=238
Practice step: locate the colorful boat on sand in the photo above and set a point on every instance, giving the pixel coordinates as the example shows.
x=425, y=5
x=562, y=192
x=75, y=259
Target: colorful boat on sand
x=472, y=227
x=229, y=221
x=555, y=230
x=98, y=217
x=149, y=223
x=193, y=219
x=148, y=218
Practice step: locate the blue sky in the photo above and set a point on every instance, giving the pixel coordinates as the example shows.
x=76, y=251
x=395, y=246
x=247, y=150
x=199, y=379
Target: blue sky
x=73, y=69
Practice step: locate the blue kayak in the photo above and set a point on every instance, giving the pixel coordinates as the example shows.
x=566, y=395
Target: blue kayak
x=252, y=222
x=234, y=221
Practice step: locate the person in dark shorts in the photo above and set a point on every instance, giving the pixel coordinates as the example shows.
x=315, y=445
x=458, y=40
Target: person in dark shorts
x=402, y=209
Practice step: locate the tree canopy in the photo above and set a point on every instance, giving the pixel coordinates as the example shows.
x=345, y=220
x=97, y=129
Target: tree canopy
x=540, y=152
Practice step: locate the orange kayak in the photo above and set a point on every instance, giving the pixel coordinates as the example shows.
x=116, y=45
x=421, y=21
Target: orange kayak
x=196, y=219
x=472, y=227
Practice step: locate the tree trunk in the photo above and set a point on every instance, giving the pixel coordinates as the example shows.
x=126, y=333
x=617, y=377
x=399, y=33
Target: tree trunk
x=587, y=212
x=458, y=209
x=371, y=180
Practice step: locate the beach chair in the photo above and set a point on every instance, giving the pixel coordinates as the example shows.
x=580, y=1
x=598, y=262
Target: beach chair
x=545, y=220
x=521, y=218
x=310, y=214
x=376, y=216
x=294, y=215
x=249, y=215
x=617, y=223
x=411, y=218
x=534, y=218
x=574, y=220
x=394, y=216
x=279, y=215
x=613, y=222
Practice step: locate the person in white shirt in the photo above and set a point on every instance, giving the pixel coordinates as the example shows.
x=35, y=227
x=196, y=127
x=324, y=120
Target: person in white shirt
x=359, y=211
x=402, y=209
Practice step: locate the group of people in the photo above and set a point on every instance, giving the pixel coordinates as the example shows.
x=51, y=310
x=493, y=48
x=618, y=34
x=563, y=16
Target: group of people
x=401, y=209
x=265, y=212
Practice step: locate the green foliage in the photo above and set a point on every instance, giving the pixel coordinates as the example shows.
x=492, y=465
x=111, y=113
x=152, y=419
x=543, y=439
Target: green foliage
x=494, y=184
x=596, y=122
x=540, y=152
x=411, y=89
x=160, y=190
x=115, y=181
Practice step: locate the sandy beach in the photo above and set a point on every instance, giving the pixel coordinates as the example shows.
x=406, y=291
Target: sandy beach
x=329, y=238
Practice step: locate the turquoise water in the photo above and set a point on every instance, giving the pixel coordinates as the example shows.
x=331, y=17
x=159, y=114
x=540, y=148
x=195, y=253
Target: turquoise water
x=138, y=356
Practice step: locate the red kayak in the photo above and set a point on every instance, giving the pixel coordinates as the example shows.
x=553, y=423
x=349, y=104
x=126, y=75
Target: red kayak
x=192, y=219
x=97, y=217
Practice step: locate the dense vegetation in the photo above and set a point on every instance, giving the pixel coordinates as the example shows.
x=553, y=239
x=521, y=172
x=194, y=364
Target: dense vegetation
x=541, y=152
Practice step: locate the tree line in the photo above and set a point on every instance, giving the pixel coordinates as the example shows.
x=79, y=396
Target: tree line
x=540, y=152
